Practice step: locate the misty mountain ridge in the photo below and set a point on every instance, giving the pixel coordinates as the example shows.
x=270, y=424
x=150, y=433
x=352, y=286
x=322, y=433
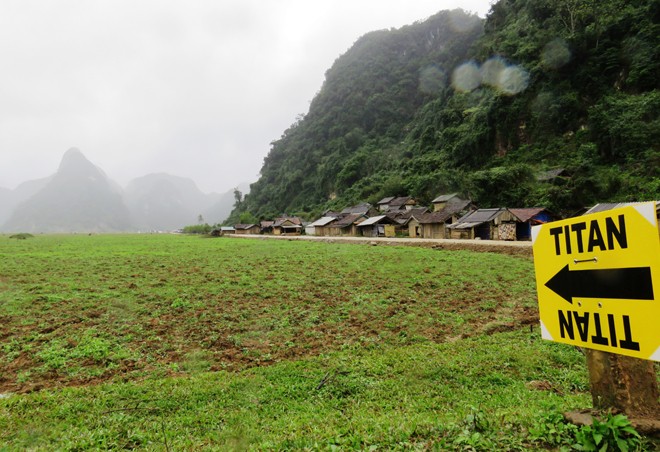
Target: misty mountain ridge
x=80, y=197
x=9, y=199
x=161, y=201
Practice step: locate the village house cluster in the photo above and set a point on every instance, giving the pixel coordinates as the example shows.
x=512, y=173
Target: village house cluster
x=451, y=217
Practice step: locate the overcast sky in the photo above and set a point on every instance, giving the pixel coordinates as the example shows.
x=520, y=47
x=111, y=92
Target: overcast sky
x=196, y=88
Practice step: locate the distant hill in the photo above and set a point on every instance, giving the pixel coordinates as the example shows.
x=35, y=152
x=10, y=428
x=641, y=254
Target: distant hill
x=220, y=210
x=28, y=189
x=484, y=107
x=6, y=204
x=165, y=202
x=9, y=199
x=79, y=197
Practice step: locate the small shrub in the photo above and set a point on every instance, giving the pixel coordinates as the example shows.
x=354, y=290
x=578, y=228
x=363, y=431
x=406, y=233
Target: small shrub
x=198, y=229
x=23, y=377
x=181, y=303
x=474, y=432
x=54, y=355
x=21, y=236
x=553, y=430
x=615, y=433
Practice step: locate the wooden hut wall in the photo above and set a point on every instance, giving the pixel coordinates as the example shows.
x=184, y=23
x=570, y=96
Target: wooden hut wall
x=350, y=231
x=461, y=234
x=433, y=231
x=414, y=229
x=252, y=230
x=505, y=217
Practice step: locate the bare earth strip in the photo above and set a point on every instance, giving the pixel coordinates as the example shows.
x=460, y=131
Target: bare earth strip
x=494, y=246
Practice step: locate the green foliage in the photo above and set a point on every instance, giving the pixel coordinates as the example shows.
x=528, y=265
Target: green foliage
x=198, y=229
x=614, y=433
x=553, y=430
x=472, y=430
x=21, y=236
x=351, y=139
x=91, y=347
x=247, y=218
x=625, y=126
x=238, y=198
x=503, y=186
x=387, y=122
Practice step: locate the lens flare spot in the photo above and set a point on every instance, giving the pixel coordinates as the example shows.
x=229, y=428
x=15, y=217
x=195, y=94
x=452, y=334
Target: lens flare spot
x=555, y=54
x=513, y=80
x=491, y=71
x=466, y=77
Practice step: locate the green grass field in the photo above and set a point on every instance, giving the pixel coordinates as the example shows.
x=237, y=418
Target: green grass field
x=169, y=342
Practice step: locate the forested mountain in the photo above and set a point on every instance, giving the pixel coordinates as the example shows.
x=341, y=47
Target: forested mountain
x=488, y=108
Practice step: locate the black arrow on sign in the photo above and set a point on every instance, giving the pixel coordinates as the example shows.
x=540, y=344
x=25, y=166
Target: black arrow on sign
x=621, y=283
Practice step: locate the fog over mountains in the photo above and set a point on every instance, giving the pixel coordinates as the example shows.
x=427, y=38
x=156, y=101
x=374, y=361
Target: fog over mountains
x=80, y=197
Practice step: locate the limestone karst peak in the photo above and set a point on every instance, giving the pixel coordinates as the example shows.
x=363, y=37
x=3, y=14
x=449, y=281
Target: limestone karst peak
x=74, y=160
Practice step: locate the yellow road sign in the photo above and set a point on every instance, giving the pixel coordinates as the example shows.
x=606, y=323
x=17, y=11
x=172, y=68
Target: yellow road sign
x=598, y=280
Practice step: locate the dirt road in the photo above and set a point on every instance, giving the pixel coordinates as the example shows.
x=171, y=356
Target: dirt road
x=494, y=246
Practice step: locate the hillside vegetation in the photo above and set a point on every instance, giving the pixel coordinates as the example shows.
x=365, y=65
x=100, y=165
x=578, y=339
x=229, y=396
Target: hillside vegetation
x=456, y=103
